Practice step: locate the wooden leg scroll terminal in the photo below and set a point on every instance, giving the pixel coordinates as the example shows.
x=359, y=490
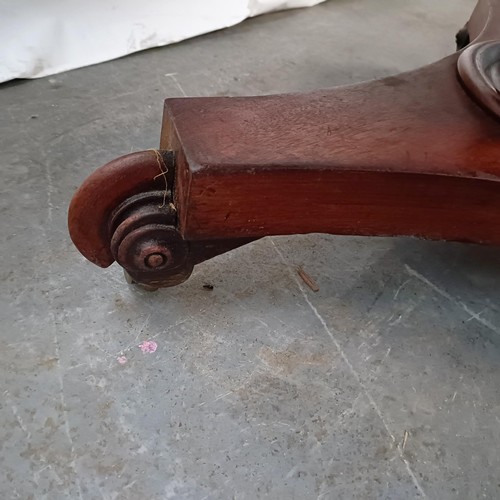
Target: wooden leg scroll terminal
x=414, y=154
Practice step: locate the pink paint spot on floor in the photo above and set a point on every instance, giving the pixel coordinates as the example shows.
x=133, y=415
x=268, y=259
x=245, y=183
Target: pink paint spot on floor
x=148, y=346
x=121, y=359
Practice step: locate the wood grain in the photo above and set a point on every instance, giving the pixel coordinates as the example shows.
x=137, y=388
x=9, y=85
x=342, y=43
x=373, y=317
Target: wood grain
x=406, y=155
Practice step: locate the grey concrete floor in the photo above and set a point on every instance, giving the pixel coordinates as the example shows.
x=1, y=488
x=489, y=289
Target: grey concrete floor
x=259, y=388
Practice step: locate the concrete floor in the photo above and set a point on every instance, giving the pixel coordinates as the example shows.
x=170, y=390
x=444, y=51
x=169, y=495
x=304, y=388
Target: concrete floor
x=259, y=388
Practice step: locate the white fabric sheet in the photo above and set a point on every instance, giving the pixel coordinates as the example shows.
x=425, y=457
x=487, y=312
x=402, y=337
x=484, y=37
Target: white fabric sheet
x=43, y=37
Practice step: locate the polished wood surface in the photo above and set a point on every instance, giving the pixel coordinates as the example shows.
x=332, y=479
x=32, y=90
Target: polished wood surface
x=384, y=157
x=414, y=154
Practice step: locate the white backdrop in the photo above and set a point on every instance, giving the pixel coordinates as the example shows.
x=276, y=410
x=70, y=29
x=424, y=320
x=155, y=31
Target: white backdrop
x=43, y=37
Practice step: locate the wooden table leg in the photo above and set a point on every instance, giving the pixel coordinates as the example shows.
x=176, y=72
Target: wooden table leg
x=413, y=154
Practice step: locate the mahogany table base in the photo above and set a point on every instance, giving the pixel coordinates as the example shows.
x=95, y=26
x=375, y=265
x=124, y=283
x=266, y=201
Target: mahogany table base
x=413, y=154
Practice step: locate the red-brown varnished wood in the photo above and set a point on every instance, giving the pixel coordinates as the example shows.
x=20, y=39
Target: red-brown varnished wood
x=413, y=154
x=484, y=23
x=403, y=155
x=341, y=202
x=101, y=193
